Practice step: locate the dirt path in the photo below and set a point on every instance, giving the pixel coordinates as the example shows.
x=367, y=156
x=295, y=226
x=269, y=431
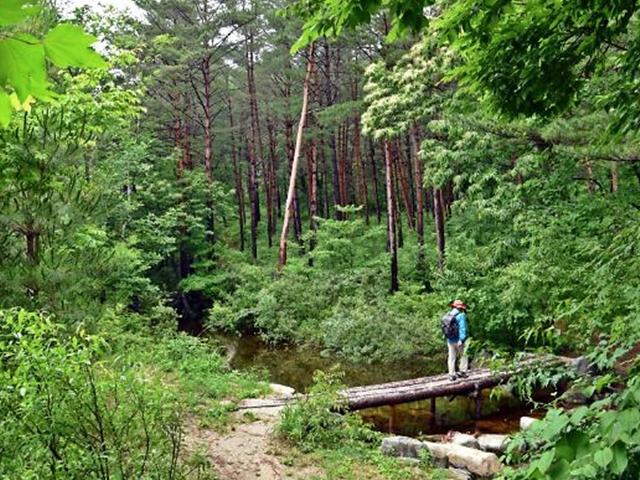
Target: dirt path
x=248, y=451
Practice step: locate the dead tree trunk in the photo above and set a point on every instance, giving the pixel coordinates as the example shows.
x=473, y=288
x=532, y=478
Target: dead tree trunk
x=288, y=208
x=391, y=215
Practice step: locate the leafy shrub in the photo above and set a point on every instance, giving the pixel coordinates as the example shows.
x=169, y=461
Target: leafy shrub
x=597, y=441
x=201, y=370
x=314, y=422
x=67, y=415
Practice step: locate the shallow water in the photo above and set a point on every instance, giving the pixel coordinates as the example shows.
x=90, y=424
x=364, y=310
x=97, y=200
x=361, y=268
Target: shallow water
x=294, y=367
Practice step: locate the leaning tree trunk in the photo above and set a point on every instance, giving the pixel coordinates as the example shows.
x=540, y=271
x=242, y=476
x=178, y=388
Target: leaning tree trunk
x=288, y=210
x=391, y=215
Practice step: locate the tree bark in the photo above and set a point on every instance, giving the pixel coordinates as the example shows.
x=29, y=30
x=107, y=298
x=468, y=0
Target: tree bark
x=237, y=173
x=359, y=170
x=251, y=147
x=438, y=207
x=312, y=172
x=374, y=176
x=404, y=184
x=273, y=161
x=419, y=193
x=391, y=216
x=181, y=141
x=615, y=177
x=325, y=181
x=288, y=208
x=208, y=145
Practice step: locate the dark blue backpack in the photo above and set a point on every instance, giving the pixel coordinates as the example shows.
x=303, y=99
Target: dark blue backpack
x=449, y=324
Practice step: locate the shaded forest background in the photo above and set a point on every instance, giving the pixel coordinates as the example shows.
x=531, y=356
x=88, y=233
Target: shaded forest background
x=486, y=153
x=160, y=184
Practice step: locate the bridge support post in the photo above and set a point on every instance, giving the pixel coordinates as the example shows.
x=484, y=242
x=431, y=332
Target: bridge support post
x=392, y=419
x=478, y=395
x=433, y=412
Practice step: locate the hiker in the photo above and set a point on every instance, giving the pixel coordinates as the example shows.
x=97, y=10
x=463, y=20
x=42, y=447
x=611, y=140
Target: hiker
x=454, y=327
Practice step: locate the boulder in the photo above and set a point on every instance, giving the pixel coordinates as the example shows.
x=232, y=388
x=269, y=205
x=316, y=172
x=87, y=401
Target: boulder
x=459, y=474
x=464, y=439
x=282, y=391
x=574, y=396
x=410, y=462
x=402, y=447
x=526, y=422
x=483, y=464
x=475, y=461
x=582, y=365
x=491, y=442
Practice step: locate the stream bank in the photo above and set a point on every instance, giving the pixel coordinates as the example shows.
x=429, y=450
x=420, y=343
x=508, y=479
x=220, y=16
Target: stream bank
x=294, y=366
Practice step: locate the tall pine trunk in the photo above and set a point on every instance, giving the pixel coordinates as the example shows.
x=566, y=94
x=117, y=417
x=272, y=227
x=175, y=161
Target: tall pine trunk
x=419, y=193
x=359, y=170
x=205, y=67
x=374, y=177
x=438, y=207
x=237, y=173
x=403, y=179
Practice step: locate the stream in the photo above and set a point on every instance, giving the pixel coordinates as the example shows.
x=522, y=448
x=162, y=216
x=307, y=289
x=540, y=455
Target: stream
x=294, y=366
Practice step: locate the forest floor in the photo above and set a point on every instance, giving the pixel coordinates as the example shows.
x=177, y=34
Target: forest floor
x=247, y=449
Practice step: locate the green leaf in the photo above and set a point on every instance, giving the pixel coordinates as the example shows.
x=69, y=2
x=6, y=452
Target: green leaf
x=22, y=66
x=68, y=45
x=544, y=462
x=620, y=459
x=603, y=457
x=5, y=109
x=559, y=470
x=565, y=451
x=15, y=11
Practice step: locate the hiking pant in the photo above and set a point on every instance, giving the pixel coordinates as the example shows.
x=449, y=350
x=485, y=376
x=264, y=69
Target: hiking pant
x=454, y=353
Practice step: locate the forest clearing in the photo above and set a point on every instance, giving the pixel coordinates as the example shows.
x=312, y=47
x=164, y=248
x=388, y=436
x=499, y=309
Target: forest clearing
x=319, y=239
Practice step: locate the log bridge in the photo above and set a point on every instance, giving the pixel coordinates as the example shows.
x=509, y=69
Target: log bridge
x=424, y=388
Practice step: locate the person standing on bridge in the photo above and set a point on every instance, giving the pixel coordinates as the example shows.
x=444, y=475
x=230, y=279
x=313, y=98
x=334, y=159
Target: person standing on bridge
x=454, y=327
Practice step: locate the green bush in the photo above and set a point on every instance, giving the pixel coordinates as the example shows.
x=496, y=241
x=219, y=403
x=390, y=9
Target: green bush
x=314, y=422
x=65, y=414
x=601, y=440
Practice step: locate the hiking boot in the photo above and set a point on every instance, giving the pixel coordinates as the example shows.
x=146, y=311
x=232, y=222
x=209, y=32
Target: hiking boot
x=453, y=377
x=462, y=374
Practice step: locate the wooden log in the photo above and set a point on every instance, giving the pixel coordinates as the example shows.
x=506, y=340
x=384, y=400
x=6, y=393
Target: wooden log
x=424, y=388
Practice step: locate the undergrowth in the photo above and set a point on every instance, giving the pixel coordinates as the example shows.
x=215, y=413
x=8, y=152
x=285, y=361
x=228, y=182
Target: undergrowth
x=345, y=446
